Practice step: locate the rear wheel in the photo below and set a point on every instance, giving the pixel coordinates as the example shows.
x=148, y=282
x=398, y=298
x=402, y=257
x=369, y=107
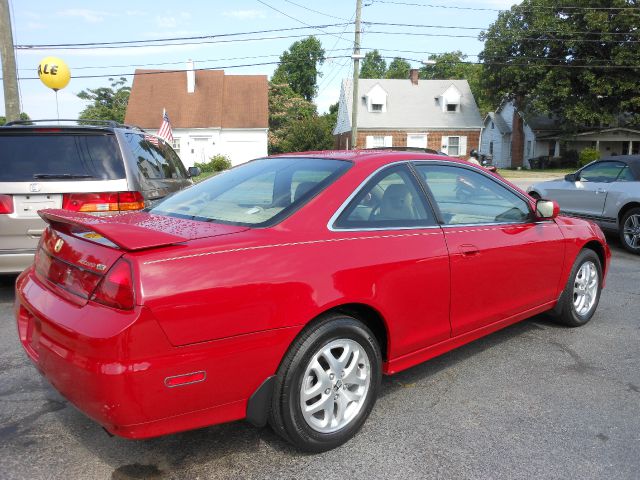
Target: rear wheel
x=327, y=384
x=630, y=230
x=581, y=294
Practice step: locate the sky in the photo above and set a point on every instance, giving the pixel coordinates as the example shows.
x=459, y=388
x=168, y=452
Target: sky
x=442, y=26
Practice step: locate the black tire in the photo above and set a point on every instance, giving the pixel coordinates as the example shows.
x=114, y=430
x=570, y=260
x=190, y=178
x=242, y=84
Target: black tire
x=286, y=417
x=566, y=312
x=631, y=240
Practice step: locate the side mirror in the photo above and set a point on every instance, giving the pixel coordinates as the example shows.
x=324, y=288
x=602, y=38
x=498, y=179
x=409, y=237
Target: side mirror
x=194, y=171
x=571, y=177
x=547, y=209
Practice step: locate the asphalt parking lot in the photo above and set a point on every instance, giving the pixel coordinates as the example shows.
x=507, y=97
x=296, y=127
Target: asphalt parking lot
x=532, y=401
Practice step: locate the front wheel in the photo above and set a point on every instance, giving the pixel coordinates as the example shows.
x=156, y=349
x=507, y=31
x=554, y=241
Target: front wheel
x=327, y=384
x=581, y=295
x=630, y=230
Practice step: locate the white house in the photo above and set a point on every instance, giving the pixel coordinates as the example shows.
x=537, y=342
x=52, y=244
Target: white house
x=542, y=137
x=211, y=113
x=441, y=115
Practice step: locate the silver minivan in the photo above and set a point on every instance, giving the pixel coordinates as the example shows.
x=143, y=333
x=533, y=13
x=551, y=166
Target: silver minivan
x=94, y=167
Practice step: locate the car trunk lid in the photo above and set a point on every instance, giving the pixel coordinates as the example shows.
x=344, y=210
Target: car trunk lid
x=77, y=250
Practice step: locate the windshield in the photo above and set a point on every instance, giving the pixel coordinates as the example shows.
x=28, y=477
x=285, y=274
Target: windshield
x=47, y=156
x=258, y=193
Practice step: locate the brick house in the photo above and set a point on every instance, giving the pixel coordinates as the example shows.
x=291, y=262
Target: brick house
x=438, y=114
x=211, y=113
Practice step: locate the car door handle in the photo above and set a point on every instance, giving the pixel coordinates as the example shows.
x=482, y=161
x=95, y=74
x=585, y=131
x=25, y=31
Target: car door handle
x=469, y=250
x=35, y=232
x=601, y=190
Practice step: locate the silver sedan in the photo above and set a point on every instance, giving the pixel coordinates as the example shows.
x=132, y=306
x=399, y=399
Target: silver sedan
x=606, y=191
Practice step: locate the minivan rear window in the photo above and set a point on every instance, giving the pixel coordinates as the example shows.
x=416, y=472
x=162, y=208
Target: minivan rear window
x=54, y=157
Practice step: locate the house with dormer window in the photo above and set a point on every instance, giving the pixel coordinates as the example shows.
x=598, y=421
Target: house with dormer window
x=438, y=114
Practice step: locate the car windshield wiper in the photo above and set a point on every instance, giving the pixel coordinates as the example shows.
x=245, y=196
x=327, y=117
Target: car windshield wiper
x=61, y=175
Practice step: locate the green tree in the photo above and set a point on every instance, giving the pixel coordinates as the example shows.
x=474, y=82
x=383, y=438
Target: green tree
x=286, y=108
x=108, y=103
x=454, y=66
x=23, y=116
x=398, y=68
x=298, y=67
x=373, y=65
x=312, y=133
x=570, y=62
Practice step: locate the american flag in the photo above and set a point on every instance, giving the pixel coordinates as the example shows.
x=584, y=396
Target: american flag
x=165, y=129
x=152, y=138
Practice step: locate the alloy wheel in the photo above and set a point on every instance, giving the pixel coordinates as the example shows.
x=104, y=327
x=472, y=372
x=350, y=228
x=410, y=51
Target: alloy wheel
x=335, y=385
x=631, y=231
x=585, y=288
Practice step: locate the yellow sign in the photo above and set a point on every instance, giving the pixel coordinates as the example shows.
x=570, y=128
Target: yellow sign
x=54, y=73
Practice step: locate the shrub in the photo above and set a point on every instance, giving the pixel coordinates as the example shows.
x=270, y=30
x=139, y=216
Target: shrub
x=569, y=159
x=588, y=155
x=218, y=163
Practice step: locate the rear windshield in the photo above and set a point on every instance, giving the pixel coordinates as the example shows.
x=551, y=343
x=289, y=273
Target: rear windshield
x=258, y=193
x=56, y=157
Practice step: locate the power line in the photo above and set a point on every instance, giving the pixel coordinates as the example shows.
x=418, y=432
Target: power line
x=228, y=67
x=519, y=7
x=314, y=11
x=201, y=42
x=287, y=15
x=130, y=43
x=457, y=27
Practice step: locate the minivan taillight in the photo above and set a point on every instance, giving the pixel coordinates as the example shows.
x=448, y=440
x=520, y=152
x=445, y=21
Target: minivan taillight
x=116, y=288
x=6, y=204
x=103, y=201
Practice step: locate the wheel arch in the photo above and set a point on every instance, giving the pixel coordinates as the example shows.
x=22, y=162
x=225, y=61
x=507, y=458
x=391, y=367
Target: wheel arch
x=599, y=250
x=625, y=209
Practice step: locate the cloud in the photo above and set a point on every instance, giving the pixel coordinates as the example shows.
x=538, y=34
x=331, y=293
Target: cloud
x=35, y=26
x=244, y=14
x=166, y=22
x=89, y=16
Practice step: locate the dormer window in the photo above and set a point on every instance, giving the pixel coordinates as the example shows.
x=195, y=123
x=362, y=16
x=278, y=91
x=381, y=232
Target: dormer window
x=451, y=99
x=376, y=99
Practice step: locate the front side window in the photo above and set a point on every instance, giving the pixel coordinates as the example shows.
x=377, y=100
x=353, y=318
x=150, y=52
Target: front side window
x=601, y=172
x=466, y=197
x=390, y=200
x=257, y=193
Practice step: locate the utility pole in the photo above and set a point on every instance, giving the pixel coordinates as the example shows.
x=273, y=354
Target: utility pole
x=356, y=73
x=9, y=77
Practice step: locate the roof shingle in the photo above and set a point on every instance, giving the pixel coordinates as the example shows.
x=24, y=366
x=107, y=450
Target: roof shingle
x=219, y=100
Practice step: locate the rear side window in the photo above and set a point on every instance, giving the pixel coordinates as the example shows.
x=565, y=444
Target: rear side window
x=155, y=162
x=49, y=156
x=257, y=193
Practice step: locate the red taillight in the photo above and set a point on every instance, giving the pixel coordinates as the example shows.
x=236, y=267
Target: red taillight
x=6, y=204
x=116, y=288
x=102, y=201
x=130, y=201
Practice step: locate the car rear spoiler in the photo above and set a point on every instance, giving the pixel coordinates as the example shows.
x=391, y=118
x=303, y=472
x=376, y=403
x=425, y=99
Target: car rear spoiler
x=123, y=235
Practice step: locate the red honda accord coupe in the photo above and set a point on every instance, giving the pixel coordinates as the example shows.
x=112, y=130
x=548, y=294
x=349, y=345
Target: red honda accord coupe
x=282, y=290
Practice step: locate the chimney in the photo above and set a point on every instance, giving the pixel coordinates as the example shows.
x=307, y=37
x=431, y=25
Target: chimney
x=191, y=77
x=413, y=76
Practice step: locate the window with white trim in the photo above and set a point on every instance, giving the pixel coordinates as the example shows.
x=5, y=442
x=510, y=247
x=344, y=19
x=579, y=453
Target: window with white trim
x=453, y=146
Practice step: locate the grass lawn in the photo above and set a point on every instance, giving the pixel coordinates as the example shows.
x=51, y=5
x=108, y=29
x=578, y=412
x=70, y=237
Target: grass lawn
x=551, y=173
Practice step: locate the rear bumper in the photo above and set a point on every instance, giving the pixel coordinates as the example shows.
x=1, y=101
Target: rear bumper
x=112, y=365
x=15, y=261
